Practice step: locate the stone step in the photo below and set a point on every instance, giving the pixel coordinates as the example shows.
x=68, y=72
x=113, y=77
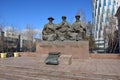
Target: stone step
x=53, y=75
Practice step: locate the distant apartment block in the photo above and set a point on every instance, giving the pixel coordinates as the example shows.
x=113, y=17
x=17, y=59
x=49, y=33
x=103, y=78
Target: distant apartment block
x=101, y=10
x=14, y=40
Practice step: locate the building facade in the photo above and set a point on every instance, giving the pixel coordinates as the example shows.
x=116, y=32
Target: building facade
x=12, y=41
x=101, y=10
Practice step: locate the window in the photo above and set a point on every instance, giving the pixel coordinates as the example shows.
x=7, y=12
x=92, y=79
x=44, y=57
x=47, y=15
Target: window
x=99, y=34
x=99, y=3
x=100, y=26
x=106, y=20
x=114, y=2
x=104, y=2
x=96, y=27
x=113, y=11
x=95, y=12
x=99, y=11
x=97, y=19
x=96, y=5
x=108, y=11
x=103, y=10
x=109, y=3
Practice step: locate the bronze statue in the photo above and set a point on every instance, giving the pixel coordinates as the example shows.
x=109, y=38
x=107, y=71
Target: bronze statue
x=62, y=29
x=78, y=31
x=48, y=33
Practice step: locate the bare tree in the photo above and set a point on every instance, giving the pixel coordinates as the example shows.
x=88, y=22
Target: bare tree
x=90, y=37
x=82, y=16
x=11, y=38
x=110, y=33
x=40, y=34
x=30, y=34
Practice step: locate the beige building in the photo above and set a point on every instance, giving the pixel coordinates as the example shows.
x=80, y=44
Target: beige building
x=14, y=40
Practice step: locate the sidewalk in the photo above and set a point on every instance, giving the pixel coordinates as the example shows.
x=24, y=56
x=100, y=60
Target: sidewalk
x=102, y=68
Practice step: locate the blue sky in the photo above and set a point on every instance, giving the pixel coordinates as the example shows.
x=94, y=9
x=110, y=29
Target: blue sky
x=35, y=12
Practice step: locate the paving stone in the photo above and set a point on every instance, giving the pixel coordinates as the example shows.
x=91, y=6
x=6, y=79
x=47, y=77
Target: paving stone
x=32, y=68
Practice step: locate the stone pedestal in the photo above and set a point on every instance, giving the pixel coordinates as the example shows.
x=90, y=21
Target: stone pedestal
x=78, y=49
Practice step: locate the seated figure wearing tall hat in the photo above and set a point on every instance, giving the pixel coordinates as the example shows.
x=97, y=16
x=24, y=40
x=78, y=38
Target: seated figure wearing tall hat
x=77, y=31
x=48, y=32
x=62, y=29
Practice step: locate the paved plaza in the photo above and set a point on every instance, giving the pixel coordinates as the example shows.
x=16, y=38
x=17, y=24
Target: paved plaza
x=34, y=68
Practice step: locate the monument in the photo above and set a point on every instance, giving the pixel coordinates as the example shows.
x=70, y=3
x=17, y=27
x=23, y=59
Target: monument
x=63, y=38
x=63, y=31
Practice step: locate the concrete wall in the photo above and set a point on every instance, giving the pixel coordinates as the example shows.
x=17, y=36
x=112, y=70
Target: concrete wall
x=28, y=54
x=105, y=56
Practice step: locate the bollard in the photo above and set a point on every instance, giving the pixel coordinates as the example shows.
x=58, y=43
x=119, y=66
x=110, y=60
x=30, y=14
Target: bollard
x=16, y=54
x=3, y=55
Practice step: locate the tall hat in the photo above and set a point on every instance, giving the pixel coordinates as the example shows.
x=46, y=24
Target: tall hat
x=77, y=16
x=64, y=17
x=50, y=18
